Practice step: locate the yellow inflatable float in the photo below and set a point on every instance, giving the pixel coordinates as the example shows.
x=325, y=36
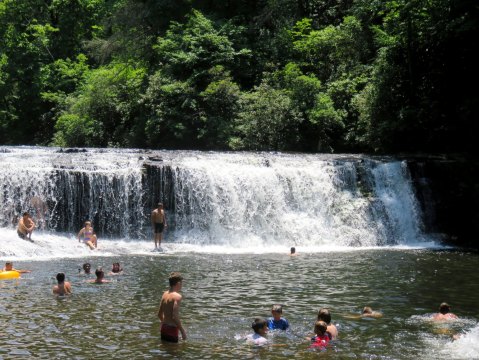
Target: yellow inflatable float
x=4, y=275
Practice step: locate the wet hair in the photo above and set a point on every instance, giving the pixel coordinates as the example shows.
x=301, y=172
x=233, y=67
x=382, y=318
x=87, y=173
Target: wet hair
x=258, y=324
x=115, y=270
x=26, y=213
x=367, y=310
x=86, y=265
x=61, y=277
x=160, y=204
x=277, y=308
x=9, y=264
x=320, y=327
x=293, y=250
x=444, y=308
x=87, y=222
x=324, y=315
x=99, y=272
x=175, y=278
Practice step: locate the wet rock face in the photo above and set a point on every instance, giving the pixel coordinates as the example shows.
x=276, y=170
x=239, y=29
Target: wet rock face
x=448, y=191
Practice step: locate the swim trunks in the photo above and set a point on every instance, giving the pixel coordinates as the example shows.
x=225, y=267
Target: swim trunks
x=159, y=228
x=21, y=235
x=169, y=333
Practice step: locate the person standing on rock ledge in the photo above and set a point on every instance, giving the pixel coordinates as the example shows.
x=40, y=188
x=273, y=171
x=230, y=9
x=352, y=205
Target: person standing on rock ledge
x=158, y=222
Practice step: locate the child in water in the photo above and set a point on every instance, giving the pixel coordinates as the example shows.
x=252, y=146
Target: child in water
x=260, y=328
x=322, y=338
x=277, y=322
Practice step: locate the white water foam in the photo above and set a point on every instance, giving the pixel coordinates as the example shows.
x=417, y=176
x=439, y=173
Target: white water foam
x=240, y=201
x=48, y=245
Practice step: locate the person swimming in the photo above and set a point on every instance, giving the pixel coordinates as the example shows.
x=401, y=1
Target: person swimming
x=116, y=269
x=322, y=337
x=444, y=313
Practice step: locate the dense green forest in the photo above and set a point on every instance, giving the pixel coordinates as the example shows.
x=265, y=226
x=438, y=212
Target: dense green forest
x=290, y=75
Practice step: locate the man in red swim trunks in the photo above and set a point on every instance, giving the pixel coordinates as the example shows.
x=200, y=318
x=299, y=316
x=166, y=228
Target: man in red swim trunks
x=169, y=313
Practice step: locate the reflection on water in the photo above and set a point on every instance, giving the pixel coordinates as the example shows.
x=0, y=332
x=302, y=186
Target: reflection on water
x=224, y=292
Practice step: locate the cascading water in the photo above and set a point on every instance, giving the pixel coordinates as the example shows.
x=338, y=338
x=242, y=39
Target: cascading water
x=226, y=199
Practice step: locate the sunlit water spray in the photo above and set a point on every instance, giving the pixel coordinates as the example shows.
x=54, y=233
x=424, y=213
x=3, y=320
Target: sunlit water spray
x=241, y=201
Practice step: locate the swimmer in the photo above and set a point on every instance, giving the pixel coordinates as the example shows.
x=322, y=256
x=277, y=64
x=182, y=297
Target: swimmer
x=86, y=269
x=99, y=277
x=260, y=327
x=325, y=315
x=444, y=313
x=368, y=312
x=9, y=267
x=277, y=322
x=88, y=236
x=322, y=337
x=293, y=251
x=116, y=269
x=63, y=287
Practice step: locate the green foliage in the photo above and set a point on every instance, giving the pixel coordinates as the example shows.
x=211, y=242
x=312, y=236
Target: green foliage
x=266, y=121
x=103, y=109
x=382, y=76
x=220, y=105
x=190, y=50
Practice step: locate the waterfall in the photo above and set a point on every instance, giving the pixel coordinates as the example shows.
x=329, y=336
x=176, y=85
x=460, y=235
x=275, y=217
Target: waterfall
x=227, y=199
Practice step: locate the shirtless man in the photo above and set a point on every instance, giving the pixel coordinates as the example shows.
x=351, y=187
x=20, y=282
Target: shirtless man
x=325, y=315
x=63, y=287
x=444, y=313
x=170, y=309
x=25, y=227
x=100, y=277
x=158, y=222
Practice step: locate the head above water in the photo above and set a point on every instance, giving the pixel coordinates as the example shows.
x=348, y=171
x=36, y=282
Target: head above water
x=175, y=278
x=99, y=273
x=87, y=267
x=320, y=327
x=293, y=250
x=60, y=277
x=8, y=266
x=277, y=308
x=259, y=324
x=367, y=310
x=324, y=315
x=116, y=268
x=444, y=308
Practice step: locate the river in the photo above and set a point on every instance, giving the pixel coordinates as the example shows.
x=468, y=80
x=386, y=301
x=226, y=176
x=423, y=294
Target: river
x=355, y=222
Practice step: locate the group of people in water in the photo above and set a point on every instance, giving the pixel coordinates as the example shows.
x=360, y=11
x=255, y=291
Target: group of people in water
x=324, y=330
x=169, y=311
x=87, y=235
x=64, y=287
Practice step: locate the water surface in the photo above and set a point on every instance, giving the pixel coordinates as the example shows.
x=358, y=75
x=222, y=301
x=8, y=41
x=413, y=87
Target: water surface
x=223, y=293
